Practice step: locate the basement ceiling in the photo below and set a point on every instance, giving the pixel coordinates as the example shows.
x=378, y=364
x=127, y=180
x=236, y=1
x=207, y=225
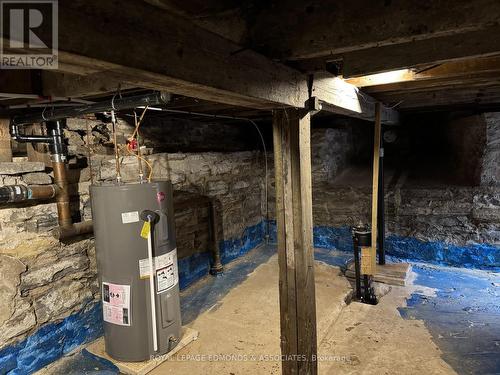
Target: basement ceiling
x=450, y=55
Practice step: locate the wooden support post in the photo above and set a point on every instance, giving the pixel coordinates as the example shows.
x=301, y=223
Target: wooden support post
x=5, y=148
x=292, y=158
x=376, y=160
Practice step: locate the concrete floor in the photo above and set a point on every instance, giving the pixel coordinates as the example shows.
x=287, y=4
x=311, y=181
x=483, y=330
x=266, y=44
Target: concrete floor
x=447, y=322
x=240, y=333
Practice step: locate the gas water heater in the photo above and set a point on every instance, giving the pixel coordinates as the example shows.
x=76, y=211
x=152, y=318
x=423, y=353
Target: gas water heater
x=137, y=266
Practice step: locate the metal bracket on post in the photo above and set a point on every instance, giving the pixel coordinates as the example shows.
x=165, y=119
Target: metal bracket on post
x=313, y=105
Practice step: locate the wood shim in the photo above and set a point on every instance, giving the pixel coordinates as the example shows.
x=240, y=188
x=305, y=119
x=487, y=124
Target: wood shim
x=142, y=368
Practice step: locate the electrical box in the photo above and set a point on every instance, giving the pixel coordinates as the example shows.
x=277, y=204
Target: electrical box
x=124, y=269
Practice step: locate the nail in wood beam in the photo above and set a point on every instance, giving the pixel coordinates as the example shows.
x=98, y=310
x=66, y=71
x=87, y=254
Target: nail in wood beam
x=292, y=158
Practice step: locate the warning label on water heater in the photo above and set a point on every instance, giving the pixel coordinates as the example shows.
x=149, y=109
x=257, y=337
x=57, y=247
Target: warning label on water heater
x=165, y=266
x=116, y=303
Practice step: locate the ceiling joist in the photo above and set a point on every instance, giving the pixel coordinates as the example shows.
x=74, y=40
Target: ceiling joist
x=146, y=47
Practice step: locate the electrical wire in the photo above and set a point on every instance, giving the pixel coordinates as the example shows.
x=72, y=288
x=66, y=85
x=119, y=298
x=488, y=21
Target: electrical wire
x=150, y=167
x=226, y=117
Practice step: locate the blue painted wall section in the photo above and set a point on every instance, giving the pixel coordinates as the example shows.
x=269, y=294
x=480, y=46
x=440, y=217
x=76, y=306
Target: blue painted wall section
x=324, y=237
x=195, y=267
x=251, y=238
x=481, y=256
x=333, y=238
x=52, y=341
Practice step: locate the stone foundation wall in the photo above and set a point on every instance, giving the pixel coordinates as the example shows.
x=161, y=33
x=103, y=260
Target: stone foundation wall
x=47, y=285
x=457, y=225
x=491, y=160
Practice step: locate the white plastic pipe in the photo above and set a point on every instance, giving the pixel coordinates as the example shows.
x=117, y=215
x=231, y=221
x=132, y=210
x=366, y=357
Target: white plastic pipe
x=152, y=288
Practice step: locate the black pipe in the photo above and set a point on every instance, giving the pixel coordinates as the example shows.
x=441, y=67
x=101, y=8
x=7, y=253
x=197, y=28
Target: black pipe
x=381, y=205
x=22, y=193
x=55, y=137
x=361, y=236
x=357, y=266
x=14, y=133
x=216, y=267
x=117, y=103
x=366, y=288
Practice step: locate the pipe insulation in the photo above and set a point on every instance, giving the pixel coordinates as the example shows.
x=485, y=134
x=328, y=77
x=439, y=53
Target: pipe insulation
x=116, y=104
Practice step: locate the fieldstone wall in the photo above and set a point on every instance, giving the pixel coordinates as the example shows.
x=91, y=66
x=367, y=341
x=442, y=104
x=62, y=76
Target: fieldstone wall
x=461, y=222
x=491, y=161
x=331, y=151
x=43, y=281
x=456, y=215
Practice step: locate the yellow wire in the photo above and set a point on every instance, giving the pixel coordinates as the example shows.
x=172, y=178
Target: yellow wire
x=139, y=123
x=150, y=174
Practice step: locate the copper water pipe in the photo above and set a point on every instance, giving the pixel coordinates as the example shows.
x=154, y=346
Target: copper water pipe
x=62, y=197
x=73, y=230
x=43, y=191
x=67, y=229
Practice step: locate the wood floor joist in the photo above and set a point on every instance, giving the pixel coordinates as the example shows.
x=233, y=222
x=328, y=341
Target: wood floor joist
x=472, y=81
x=143, y=46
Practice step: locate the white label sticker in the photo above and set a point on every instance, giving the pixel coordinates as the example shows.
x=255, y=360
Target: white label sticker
x=116, y=303
x=165, y=267
x=165, y=278
x=130, y=217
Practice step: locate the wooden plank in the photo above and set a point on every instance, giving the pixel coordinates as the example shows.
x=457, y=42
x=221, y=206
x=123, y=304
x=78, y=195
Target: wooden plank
x=460, y=71
x=436, y=50
x=142, y=368
x=154, y=49
x=5, y=148
x=74, y=85
x=443, y=97
x=349, y=100
x=291, y=131
x=389, y=273
x=303, y=225
x=330, y=27
x=376, y=162
x=285, y=258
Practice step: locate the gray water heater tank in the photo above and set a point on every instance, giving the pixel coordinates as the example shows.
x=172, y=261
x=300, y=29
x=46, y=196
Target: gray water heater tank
x=123, y=267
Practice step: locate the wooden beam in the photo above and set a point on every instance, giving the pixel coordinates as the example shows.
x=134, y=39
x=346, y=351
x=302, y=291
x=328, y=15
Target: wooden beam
x=330, y=27
x=74, y=85
x=5, y=147
x=409, y=54
x=292, y=155
x=473, y=96
x=146, y=47
x=349, y=100
x=436, y=50
x=460, y=76
x=20, y=81
x=376, y=166
x=453, y=71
